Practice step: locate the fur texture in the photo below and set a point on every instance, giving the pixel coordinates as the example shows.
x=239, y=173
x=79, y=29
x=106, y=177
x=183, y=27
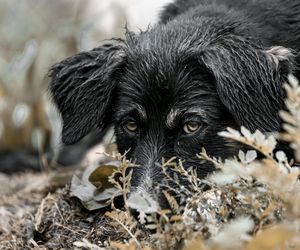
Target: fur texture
x=213, y=63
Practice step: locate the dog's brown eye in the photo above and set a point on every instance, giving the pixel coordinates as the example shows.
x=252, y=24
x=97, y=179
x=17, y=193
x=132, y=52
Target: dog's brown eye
x=191, y=127
x=132, y=126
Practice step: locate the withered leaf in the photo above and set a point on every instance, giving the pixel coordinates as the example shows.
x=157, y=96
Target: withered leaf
x=105, y=194
x=94, y=189
x=99, y=177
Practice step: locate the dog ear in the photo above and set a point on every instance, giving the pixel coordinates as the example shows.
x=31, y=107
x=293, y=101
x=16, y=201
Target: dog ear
x=249, y=82
x=82, y=87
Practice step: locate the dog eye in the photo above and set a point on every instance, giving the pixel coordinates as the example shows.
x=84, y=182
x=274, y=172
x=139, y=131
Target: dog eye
x=191, y=127
x=131, y=126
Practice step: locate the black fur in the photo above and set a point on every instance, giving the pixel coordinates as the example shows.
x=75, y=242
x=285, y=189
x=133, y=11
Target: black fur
x=211, y=62
x=82, y=87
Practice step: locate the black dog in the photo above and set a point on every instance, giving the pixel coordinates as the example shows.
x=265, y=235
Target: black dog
x=168, y=91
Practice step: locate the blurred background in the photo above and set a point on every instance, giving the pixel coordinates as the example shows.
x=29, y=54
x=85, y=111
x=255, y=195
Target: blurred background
x=34, y=35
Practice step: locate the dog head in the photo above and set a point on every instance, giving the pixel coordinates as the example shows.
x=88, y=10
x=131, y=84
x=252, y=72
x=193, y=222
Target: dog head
x=168, y=92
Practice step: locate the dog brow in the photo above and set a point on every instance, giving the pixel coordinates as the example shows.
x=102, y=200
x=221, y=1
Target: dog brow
x=172, y=117
x=175, y=114
x=133, y=108
x=197, y=111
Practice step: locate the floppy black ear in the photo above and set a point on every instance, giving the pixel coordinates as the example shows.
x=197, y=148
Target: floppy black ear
x=82, y=87
x=249, y=82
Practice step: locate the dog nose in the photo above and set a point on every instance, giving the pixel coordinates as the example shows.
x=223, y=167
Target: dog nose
x=142, y=201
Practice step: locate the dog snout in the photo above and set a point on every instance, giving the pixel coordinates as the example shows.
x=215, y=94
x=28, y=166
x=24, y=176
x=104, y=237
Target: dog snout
x=148, y=182
x=146, y=177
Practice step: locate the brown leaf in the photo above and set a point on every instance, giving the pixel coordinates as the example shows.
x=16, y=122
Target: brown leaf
x=93, y=188
x=99, y=177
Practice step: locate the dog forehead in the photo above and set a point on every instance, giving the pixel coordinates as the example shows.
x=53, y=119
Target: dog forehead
x=159, y=82
x=153, y=105
x=161, y=94
x=164, y=78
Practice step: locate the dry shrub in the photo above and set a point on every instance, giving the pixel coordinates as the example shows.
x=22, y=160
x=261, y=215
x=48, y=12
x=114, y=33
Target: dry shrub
x=251, y=202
